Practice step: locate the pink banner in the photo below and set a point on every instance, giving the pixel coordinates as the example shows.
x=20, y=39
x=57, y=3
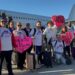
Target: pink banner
x=67, y=37
x=22, y=44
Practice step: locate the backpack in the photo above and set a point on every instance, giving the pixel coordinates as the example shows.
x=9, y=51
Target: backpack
x=30, y=31
x=56, y=43
x=34, y=32
x=68, y=61
x=26, y=31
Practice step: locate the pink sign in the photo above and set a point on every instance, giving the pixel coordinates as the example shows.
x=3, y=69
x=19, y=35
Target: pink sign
x=22, y=44
x=74, y=33
x=58, y=20
x=67, y=37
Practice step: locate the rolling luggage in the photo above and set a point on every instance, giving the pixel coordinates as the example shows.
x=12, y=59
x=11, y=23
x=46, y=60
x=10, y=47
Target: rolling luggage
x=47, y=58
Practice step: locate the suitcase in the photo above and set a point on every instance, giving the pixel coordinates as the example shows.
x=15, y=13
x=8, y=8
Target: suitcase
x=47, y=58
x=30, y=61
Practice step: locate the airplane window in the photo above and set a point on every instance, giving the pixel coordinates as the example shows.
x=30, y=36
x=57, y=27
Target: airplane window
x=19, y=17
x=23, y=17
x=13, y=17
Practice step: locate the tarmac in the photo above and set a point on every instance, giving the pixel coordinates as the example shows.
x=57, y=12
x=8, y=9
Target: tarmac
x=56, y=70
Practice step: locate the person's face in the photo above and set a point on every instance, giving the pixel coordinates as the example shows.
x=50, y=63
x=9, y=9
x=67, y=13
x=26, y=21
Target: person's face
x=11, y=25
x=58, y=38
x=28, y=26
x=19, y=27
x=49, y=25
x=38, y=25
x=2, y=24
x=63, y=29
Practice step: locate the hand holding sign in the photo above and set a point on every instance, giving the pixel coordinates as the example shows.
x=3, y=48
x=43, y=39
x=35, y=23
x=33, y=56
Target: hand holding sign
x=22, y=44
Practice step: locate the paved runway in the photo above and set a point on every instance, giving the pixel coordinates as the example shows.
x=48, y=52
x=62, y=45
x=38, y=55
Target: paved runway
x=56, y=70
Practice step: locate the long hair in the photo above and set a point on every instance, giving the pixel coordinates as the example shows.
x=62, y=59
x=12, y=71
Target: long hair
x=65, y=27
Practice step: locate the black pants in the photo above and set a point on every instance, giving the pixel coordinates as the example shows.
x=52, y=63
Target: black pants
x=40, y=60
x=7, y=56
x=21, y=60
x=38, y=50
x=73, y=52
x=67, y=51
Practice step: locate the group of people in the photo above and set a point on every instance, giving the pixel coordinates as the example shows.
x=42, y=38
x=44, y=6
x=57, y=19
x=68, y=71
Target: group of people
x=44, y=39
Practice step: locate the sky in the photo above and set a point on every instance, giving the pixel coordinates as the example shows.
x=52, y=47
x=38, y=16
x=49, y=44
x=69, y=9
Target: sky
x=39, y=7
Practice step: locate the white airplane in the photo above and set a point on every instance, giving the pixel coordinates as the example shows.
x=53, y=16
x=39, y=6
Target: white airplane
x=26, y=18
